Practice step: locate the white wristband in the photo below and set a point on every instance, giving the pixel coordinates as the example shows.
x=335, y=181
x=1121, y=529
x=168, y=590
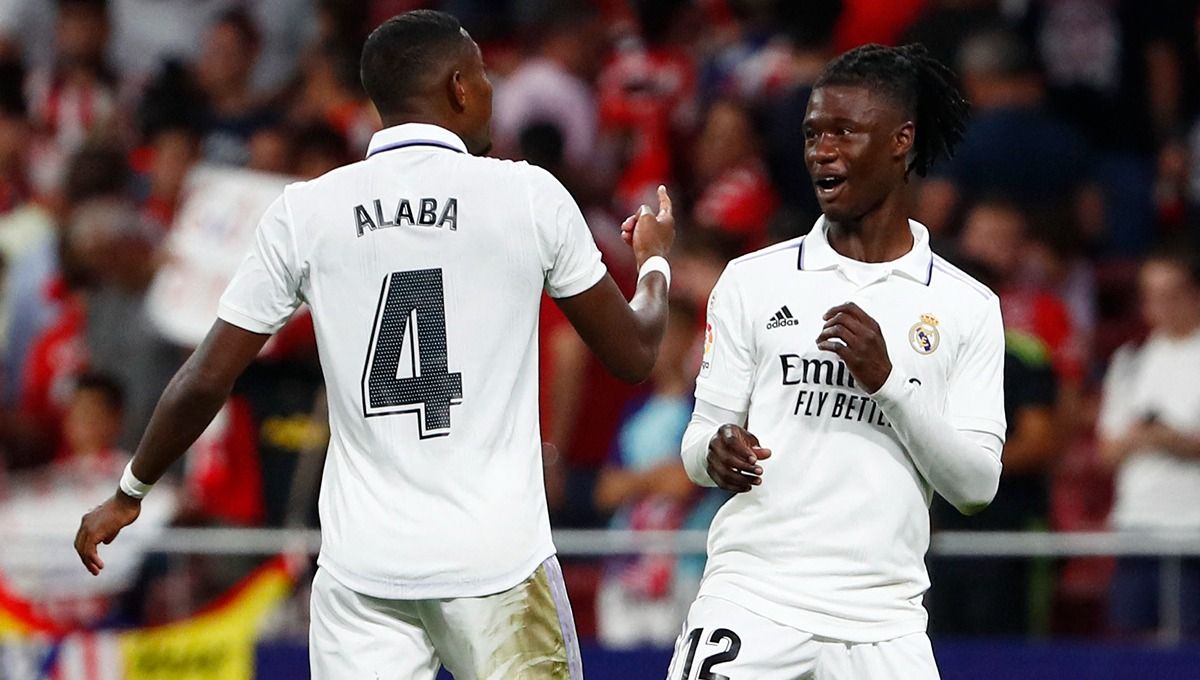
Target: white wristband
x=655, y=263
x=132, y=486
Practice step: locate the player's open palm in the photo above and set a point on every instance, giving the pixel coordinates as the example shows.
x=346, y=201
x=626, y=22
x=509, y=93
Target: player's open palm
x=733, y=455
x=102, y=525
x=650, y=234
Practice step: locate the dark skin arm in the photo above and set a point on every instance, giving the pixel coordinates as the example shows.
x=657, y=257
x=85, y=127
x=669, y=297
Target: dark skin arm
x=186, y=408
x=625, y=336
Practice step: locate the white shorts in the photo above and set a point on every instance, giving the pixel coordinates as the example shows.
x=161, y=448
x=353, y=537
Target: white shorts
x=723, y=641
x=525, y=632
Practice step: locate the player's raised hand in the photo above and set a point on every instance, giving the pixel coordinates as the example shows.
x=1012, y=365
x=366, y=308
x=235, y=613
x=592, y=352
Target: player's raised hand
x=732, y=461
x=650, y=234
x=102, y=525
x=861, y=345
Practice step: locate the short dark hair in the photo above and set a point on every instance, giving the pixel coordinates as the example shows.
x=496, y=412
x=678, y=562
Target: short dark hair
x=1179, y=252
x=106, y=386
x=241, y=21
x=916, y=81
x=97, y=170
x=402, y=51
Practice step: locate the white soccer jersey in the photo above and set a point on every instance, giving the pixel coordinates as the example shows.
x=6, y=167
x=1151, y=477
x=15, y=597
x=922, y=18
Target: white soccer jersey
x=833, y=541
x=424, y=266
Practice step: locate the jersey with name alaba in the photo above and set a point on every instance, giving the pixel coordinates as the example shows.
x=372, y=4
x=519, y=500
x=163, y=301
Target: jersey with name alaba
x=833, y=541
x=423, y=266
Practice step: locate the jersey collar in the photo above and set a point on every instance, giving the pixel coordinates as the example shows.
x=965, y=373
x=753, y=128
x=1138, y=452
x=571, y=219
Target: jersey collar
x=414, y=134
x=917, y=264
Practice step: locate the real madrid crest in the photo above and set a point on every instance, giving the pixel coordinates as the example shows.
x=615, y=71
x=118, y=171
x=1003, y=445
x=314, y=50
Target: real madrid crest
x=924, y=336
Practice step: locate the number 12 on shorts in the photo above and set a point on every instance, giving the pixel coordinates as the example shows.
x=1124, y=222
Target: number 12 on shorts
x=422, y=384
x=730, y=645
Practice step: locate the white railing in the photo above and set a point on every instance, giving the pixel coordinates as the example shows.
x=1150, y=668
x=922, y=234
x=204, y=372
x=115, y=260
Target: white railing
x=1172, y=547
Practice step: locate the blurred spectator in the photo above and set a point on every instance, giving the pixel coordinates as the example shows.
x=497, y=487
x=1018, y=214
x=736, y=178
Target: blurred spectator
x=809, y=28
x=753, y=63
x=1150, y=432
x=27, y=31
x=1013, y=148
x=957, y=605
x=165, y=161
x=95, y=171
x=944, y=24
x=116, y=247
x=996, y=236
x=232, y=113
x=647, y=99
x=735, y=195
x=75, y=96
x=642, y=599
x=868, y=21
x=15, y=133
x=330, y=94
x=45, y=503
x=555, y=86
x=1116, y=70
x=150, y=32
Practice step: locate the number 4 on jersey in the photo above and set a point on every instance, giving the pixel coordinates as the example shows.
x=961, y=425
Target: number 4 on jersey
x=426, y=388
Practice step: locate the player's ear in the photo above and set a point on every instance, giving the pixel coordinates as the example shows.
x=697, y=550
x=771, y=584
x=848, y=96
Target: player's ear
x=457, y=90
x=902, y=140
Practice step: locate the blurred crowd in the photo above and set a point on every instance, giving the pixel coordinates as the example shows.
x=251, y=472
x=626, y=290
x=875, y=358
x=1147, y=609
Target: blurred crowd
x=1075, y=195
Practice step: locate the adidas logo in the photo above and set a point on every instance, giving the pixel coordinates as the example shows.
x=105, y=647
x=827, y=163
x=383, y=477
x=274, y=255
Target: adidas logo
x=782, y=318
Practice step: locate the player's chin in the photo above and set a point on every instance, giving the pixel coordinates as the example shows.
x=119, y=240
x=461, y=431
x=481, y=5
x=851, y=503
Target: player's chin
x=836, y=210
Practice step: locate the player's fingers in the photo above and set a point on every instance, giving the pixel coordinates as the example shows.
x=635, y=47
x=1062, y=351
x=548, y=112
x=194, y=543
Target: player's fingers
x=627, y=225
x=839, y=332
x=738, y=460
x=835, y=310
x=832, y=346
x=89, y=555
x=762, y=453
x=664, y=200
x=730, y=480
x=734, y=447
x=851, y=322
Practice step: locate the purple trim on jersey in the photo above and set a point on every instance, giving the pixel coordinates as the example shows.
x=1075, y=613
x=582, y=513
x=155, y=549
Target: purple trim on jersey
x=800, y=257
x=949, y=269
x=414, y=142
x=929, y=274
x=566, y=620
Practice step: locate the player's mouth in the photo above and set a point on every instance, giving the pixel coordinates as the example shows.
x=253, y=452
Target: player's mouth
x=829, y=186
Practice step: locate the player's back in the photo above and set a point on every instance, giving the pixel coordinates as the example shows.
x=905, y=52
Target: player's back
x=423, y=266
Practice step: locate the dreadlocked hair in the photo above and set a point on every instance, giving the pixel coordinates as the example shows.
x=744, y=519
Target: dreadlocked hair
x=915, y=80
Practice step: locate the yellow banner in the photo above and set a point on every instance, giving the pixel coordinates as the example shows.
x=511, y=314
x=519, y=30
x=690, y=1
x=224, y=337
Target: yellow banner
x=216, y=644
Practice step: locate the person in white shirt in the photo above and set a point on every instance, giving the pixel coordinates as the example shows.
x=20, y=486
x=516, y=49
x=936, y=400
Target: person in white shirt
x=423, y=266
x=1149, y=428
x=848, y=375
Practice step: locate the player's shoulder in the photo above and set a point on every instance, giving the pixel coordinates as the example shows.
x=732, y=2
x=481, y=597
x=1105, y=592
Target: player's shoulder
x=332, y=181
x=766, y=260
x=947, y=279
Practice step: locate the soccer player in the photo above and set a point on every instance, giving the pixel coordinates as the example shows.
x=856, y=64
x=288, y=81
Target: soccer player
x=423, y=266
x=847, y=376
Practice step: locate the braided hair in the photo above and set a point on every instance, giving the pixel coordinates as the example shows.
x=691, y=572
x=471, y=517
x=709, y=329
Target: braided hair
x=918, y=82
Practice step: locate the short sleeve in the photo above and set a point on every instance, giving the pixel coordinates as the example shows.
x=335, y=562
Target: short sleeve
x=975, y=398
x=727, y=369
x=570, y=259
x=265, y=290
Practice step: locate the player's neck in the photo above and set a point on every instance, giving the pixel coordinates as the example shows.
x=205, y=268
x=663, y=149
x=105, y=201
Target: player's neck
x=426, y=117
x=881, y=235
